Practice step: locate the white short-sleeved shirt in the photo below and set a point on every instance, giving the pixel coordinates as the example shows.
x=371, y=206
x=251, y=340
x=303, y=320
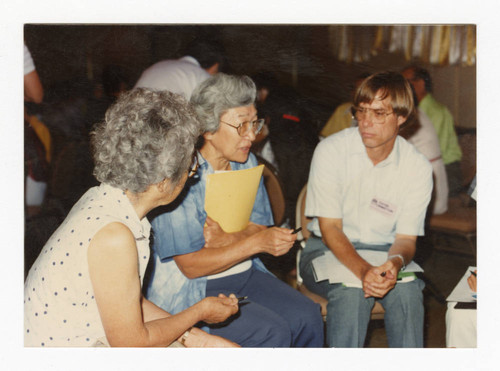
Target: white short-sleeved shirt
x=426, y=141
x=59, y=304
x=179, y=76
x=374, y=202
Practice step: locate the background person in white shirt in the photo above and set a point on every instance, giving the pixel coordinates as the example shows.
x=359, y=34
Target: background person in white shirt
x=181, y=76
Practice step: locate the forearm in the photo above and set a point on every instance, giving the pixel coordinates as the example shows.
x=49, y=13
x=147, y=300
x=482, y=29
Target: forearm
x=250, y=230
x=342, y=248
x=164, y=331
x=33, y=90
x=151, y=312
x=347, y=255
x=155, y=328
x=161, y=331
x=209, y=261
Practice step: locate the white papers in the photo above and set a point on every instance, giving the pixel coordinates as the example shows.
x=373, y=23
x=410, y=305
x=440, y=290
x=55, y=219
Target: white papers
x=462, y=291
x=328, y=267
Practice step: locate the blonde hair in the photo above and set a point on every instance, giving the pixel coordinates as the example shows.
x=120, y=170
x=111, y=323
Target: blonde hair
x=388, y=84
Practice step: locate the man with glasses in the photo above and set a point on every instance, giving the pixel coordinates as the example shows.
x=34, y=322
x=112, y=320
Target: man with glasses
x=369, y=189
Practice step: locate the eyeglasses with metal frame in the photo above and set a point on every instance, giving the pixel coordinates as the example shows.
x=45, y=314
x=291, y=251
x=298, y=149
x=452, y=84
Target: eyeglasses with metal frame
x=378, y=115
x=245, y=127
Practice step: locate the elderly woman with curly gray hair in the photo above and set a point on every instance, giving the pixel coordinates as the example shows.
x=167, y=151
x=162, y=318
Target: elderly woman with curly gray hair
x=194, y=257
x=85, y=287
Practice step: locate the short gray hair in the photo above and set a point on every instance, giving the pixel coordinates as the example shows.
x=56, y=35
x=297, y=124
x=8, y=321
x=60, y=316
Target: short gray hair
x=219, y=93
x=146, y=137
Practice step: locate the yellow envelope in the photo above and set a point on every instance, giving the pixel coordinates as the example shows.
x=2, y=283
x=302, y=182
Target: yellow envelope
x=230, y=196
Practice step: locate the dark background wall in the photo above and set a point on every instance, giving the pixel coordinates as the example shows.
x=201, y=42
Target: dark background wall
x=72, y=56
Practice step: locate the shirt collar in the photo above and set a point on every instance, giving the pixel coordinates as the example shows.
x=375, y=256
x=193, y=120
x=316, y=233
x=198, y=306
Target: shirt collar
x=201, y=159
x=207, y=168
x=358, y=148
x=394, y=156
x=426, y=100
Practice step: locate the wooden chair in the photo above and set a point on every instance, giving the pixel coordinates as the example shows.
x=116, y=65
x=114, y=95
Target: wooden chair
x=460, y=219
x=301, y=220
x=274, y=190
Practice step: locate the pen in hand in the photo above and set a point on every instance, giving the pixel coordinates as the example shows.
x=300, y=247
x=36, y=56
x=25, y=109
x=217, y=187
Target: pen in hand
x=473, y=273
x=297, y=230
x=241, y=298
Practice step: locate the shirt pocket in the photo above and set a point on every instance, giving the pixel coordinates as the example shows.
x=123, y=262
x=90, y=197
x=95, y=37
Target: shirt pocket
x=382, y=214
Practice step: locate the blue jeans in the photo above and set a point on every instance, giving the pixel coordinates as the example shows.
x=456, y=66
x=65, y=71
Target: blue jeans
x=348, y=311
x=275, y=315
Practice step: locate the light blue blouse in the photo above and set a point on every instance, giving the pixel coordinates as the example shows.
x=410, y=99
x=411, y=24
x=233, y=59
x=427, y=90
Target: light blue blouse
x=179, y=230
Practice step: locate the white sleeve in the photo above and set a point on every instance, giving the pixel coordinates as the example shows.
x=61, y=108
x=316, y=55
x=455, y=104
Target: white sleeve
x=29, y=65
x=412, y=218
x=324, y=187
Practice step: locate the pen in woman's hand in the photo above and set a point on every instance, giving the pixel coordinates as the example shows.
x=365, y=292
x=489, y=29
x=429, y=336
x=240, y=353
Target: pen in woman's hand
x=241, y=298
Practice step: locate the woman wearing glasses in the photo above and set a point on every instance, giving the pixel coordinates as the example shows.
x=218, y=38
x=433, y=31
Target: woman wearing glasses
x=194, y=257
x=85, y=287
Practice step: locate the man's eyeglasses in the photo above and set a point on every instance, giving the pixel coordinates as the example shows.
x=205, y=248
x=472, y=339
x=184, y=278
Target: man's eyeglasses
x=378, y=116
x=245, y=127
x=194, y=165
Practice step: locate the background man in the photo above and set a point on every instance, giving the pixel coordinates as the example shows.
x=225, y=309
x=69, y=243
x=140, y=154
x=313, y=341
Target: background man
x=369, y=189
x=442, y=120
x=182, y=75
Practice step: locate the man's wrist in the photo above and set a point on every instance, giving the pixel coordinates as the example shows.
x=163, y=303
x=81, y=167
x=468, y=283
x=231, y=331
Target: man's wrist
x=400, y=257
x=365, y=269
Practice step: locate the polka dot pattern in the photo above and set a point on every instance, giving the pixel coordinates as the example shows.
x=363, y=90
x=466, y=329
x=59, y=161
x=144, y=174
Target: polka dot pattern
x=60, y=307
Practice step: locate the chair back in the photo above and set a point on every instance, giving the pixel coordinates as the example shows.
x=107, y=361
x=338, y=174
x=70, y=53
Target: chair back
x=301, y=221
x=300, y=218
x=274, y=190
x=467, y=144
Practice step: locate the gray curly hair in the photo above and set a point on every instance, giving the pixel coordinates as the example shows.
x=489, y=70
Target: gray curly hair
x=146, y=137
x=219, y=93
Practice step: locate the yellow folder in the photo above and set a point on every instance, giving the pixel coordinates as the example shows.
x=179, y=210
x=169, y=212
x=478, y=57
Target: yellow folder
x=230, y=196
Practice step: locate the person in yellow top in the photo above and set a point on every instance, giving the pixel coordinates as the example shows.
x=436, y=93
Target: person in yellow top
x=342, y=116
x=442, y=120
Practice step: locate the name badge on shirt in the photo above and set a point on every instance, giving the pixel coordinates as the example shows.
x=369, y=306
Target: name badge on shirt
x=382, y=207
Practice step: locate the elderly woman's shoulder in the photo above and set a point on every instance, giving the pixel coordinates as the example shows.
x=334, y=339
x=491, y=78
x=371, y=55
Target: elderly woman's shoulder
x=114, y=237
